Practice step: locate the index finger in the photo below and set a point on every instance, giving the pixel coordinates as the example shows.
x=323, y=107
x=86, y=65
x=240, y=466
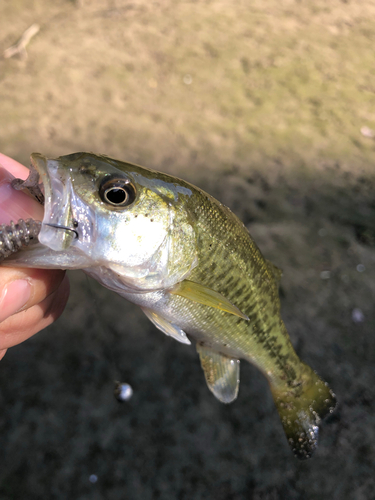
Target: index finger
x=15, y=168
x=14, y=204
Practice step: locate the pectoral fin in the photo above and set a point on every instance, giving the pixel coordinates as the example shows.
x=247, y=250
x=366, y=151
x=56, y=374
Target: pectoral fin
x=207, y=296
x=222, y=373
x=166, y=327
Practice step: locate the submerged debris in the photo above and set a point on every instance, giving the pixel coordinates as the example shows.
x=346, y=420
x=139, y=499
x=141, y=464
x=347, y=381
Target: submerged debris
x=20, y=47
x=325, y=275
x=367, y=132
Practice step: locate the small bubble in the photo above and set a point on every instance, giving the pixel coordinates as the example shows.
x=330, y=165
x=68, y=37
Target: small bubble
x=360, y=268
x=357, y=315
x=187, y=79
x=325, y=275
x=93, y=478
x=123, y=392
x=322, y=232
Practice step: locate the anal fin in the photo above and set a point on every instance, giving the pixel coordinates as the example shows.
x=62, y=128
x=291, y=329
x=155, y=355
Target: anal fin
x=166, y=327
x=221, y=372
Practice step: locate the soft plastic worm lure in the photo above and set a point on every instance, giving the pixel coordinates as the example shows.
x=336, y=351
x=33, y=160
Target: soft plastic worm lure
x=14, y=236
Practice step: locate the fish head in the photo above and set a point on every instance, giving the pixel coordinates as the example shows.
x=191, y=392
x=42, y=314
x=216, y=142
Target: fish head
x=100, y=212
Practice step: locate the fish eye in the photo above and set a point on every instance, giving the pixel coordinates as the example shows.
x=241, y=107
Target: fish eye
x=117, y=192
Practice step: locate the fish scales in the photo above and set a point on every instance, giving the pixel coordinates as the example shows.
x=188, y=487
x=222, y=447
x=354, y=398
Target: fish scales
x=188, y=262
x=224, y=241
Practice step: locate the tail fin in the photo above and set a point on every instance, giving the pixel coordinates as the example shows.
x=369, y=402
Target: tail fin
x=301, y=409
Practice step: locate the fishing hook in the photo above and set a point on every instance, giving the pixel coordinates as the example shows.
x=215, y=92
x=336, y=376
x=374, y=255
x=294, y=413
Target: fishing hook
x=66, y=228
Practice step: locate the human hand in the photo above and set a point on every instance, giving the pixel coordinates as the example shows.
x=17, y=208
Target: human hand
x=30, y=299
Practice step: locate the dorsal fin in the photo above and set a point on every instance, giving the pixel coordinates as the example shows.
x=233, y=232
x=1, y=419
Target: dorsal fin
x=276, y=271
x=221, y=372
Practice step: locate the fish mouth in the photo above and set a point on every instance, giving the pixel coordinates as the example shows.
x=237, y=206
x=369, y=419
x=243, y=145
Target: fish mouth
x=38, y=177
x=46, y=176
x=60, y=236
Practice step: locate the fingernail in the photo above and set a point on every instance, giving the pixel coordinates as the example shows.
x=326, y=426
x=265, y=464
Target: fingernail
x=14, y=297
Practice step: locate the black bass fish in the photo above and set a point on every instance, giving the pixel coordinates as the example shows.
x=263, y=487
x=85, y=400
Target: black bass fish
x=186, y=260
